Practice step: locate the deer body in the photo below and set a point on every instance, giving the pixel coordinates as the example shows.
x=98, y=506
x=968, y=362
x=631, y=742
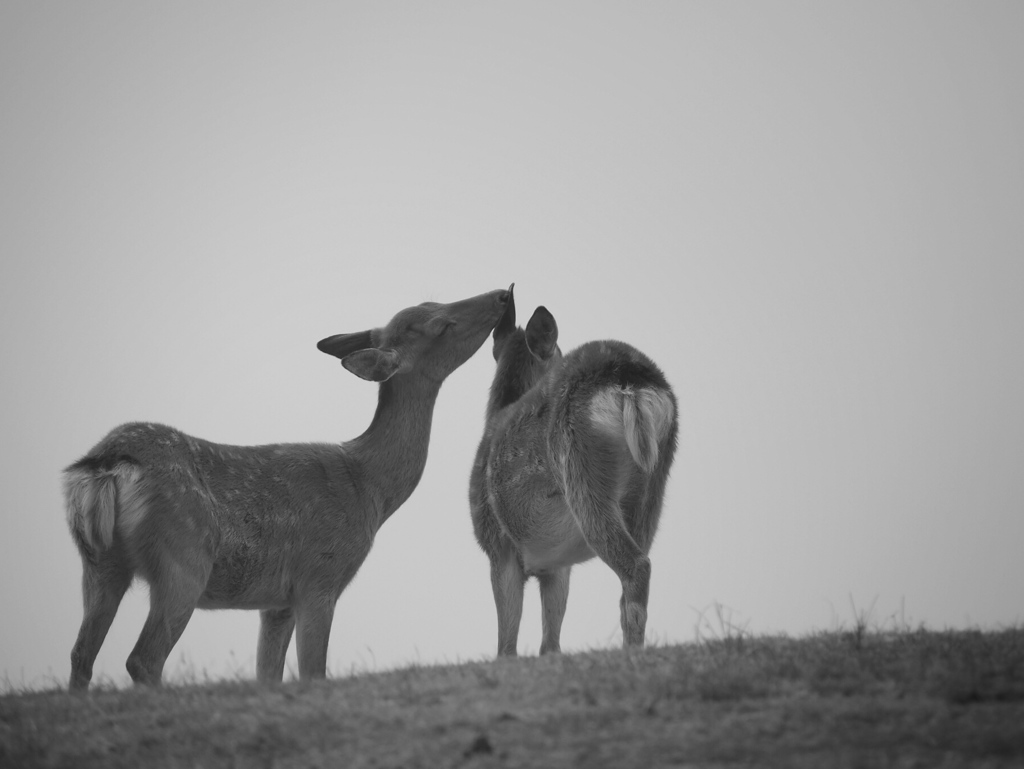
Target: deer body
x=280, y=528
x=573, y=464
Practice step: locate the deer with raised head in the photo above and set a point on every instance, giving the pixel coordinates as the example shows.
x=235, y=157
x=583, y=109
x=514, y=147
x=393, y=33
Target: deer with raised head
x=281, y=528
x=573, y=463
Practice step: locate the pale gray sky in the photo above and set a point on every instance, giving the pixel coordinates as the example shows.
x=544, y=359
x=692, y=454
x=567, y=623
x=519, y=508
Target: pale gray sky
x=811, y=215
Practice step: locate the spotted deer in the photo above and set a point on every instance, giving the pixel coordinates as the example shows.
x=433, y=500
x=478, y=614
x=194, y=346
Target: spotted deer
x=281, y=528
x=573, y=463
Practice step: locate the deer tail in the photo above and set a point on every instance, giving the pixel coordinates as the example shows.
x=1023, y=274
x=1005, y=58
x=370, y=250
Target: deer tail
x=98, y=502
x=647, y=415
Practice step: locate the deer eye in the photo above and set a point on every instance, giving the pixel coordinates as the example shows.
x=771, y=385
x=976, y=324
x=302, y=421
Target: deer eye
x=439, y=326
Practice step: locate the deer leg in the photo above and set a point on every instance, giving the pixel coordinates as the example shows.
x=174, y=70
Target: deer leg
x=597, y=482
x=600, y=520
x=276, y=626
x=641, y=507
x=633, y=603
x=103, y=587
x=312, y=632
x=174, y=590
x=507, y=582
x=554, y=594
x=633, y=569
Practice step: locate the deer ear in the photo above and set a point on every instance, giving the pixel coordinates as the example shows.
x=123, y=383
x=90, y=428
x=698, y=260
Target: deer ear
x=373, y=365
x=341, y=345
x=507, y=322
x=542, y=334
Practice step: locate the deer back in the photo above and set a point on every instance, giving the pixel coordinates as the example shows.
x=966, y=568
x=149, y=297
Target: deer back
x=598, y=421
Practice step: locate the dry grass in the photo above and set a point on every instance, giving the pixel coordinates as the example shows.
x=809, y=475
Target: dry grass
x=845, y=699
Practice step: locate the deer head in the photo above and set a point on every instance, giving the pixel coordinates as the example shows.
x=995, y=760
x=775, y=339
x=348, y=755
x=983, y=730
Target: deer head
x=430, y=340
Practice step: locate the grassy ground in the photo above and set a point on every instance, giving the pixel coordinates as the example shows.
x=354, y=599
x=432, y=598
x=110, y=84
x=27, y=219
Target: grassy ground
x=846, y=699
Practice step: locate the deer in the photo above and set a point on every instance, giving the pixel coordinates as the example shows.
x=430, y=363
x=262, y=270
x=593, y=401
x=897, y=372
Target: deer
x=280, y=528
x=573, y=463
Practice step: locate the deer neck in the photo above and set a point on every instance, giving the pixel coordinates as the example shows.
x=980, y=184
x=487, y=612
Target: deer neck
x=394, y=446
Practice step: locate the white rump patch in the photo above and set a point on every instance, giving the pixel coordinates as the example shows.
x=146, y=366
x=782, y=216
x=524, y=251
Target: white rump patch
x=657, y=405
x=606, y=410
x=131, y=498
x=96, y=503
x=642, y=416
x=79, y=494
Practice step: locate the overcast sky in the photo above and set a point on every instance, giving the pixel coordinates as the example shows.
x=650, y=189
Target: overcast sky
x=811, y=215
